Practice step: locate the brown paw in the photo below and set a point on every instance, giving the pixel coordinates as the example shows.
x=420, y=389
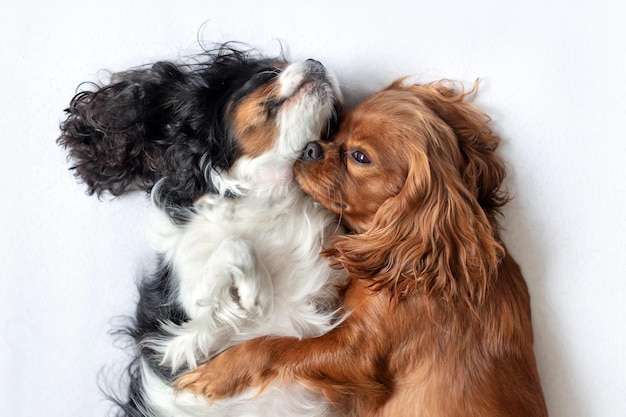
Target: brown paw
x=214, y=380
x=194, y=382
x=229, y=373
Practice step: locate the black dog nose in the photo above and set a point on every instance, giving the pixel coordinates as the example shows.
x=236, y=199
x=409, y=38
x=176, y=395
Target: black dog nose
x=313, y=152
x=314, y=65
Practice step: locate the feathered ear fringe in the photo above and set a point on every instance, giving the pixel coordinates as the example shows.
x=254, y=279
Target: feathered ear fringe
x=164, y=122
x=129, y=134
x=105, y=133
x=438, y=236
x=443, y=247
x=483, y=170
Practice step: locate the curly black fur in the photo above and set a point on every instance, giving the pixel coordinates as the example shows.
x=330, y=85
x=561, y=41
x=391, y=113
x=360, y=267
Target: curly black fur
x=163, y=123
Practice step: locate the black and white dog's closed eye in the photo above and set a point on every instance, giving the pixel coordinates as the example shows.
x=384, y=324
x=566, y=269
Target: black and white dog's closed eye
x=163, y=122
x=237, y=241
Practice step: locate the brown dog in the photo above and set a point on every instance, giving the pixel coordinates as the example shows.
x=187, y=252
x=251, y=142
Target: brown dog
x=439, y=321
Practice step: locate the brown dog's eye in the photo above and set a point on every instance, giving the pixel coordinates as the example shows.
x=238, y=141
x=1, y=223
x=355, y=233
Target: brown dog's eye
x=360, y=157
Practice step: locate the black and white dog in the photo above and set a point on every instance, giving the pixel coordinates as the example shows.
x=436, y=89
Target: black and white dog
x=238, y=242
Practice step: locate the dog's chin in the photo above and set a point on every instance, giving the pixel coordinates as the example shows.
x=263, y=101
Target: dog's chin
x=311, y=186
x=303, y=176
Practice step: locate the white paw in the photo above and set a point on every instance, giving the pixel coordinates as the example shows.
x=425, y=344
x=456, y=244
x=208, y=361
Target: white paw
x=189, y=345
x=220, y=296
x=230, y=284
x=252, y=288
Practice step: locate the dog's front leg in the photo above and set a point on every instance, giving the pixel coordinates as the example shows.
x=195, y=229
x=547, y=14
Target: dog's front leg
x=231, y=287
x=236, y=284
x=325, y=364
x=344, y=364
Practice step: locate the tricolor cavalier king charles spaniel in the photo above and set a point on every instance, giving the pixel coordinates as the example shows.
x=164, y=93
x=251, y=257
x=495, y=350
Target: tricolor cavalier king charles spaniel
x=439, y=317
x=237, y=240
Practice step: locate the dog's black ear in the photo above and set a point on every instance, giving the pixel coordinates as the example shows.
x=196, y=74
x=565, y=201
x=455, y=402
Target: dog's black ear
x=132, y=132
x=106, y=134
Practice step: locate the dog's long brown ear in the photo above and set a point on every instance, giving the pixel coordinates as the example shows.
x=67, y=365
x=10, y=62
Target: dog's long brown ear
x=435, y=235
x=434, y=238
x=482, y=169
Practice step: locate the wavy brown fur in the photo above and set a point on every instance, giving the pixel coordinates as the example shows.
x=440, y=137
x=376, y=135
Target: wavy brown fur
x=440, y=320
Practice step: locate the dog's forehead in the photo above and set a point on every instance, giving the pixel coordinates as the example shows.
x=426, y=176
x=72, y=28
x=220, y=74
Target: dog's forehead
x=364, y=127
x=391, y=117
x=256, y=76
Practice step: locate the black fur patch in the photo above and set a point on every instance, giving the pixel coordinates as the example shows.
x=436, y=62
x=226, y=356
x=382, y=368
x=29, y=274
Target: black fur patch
x=162, y=123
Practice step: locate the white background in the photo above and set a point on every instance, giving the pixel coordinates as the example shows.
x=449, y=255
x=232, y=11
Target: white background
x=553, y=77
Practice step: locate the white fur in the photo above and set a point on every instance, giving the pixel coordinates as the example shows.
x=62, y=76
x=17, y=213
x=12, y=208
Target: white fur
x=250, y=266
x=275, y=401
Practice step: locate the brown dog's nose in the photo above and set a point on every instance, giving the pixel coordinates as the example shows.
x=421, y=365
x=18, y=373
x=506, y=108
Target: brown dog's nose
x=313, y=152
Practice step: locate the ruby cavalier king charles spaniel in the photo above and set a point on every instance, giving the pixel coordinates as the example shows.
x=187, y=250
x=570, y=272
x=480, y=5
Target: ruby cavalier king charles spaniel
x=439, y=320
